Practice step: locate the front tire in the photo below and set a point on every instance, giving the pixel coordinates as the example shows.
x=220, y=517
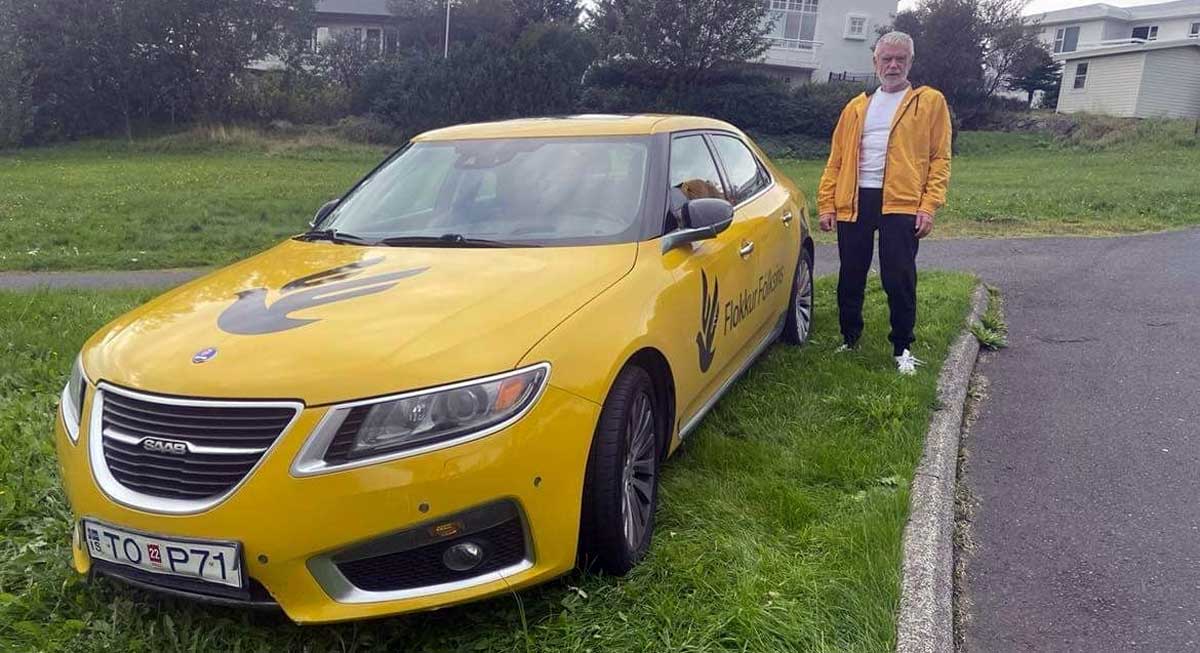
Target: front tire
x=800, y=307
x=621, y=488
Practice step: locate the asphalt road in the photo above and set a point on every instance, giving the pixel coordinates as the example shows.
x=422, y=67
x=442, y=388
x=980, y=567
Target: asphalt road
x=1085, y=456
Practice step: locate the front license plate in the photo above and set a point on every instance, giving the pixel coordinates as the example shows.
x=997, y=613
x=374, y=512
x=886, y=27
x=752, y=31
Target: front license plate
x=216, y=562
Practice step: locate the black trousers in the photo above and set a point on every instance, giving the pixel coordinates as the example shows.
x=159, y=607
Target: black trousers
x=897, y=268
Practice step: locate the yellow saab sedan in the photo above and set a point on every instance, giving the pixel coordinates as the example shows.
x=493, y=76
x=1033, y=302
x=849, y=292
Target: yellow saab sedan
x=461, y=381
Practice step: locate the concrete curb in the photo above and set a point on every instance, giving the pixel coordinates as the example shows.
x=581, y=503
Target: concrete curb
x=926, y=620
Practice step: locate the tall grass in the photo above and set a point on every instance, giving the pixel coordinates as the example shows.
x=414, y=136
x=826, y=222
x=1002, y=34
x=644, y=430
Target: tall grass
x=779, y=527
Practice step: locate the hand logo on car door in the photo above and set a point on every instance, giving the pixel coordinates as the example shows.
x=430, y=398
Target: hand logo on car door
x=706, y=338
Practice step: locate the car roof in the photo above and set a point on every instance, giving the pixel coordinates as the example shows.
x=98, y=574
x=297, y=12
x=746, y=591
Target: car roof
x=579, y=125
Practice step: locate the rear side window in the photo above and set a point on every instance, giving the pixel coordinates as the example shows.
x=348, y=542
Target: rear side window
x=746, y=175
x=693, y=171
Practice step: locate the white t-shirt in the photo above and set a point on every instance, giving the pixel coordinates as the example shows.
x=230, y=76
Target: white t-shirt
x=872, y=152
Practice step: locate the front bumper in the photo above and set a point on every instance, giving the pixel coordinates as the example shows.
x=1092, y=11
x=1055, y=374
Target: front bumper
x=290, y=526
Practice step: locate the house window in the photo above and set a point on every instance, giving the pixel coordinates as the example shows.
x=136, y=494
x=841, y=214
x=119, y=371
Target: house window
x=1146, y=32
x=358, y=35
x=391, y=42
x=310, y=43
x=856, y=26
x=1194, y=32
x=1066, y=39
x=374, y=40
x=1080, y=75
x=794, y=23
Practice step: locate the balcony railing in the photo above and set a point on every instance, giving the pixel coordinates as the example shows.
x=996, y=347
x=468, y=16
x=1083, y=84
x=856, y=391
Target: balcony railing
x=793, y=44
x=792, y=53
x=1109, y=43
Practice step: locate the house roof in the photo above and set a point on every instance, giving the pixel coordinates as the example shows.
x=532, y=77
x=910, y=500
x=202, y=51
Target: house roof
x=358, y=7
x=1128, y=48
x=1103, y=10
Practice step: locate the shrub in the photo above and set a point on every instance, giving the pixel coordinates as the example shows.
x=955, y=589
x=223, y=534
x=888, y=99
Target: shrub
x=370, y=130
x=751, y=101
x=294, y=96
x=487, y=80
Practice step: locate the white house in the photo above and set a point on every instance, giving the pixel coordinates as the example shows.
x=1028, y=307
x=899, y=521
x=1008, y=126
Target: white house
x=824, y=40
x=811, y=40
x=1139, y=61
x=370, y=21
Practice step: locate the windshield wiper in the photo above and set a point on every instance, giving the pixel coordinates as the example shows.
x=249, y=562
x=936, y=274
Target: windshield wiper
x=334, y=236
x=446, y=240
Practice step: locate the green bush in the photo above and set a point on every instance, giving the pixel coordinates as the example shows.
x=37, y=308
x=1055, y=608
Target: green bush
x=488, y=80
x=751, y=101
x=288, y=95
x=370, y=130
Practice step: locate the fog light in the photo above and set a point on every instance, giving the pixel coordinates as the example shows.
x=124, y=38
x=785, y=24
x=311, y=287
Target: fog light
x=464, y=556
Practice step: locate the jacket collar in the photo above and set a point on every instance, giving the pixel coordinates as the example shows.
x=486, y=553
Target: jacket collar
x=912, y=94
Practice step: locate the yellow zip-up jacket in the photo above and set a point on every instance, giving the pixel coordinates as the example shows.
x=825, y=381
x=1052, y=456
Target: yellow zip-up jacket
x=917, y=170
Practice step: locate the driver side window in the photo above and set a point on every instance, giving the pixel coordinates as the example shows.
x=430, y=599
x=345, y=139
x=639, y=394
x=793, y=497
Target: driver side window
x=693, y=175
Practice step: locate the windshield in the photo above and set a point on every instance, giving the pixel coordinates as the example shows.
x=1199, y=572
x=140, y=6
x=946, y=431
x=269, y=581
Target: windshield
x=547, y=191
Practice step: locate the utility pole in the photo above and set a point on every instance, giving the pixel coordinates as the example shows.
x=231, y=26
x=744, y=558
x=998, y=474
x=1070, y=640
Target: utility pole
x=446, y=51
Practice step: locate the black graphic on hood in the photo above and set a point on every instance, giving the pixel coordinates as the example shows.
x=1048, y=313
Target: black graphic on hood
x=250, y=315
x=333, y=274
x=706, y=337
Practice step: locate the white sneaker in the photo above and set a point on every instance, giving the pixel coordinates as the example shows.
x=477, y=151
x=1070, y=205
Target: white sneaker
x=907, y=364
x=843, y=348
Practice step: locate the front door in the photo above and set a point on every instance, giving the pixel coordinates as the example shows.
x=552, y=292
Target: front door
x=709, y=277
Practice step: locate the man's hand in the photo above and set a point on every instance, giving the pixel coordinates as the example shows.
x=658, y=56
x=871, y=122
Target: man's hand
x=924, y=224
x=827, y=220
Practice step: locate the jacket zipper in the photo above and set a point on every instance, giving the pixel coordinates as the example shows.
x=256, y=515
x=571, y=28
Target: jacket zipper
x=916, y=97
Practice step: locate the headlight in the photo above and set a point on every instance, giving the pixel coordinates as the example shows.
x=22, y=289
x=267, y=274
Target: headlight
x=393, y=427
x=72, y=400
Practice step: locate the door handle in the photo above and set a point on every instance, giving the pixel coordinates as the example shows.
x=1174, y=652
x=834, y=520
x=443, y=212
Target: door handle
x=747, y=247
x=787, y=218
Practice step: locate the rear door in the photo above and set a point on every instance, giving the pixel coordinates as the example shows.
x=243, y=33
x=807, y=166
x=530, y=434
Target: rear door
x=770, y=230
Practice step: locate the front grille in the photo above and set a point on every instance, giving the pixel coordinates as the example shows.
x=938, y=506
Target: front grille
x=224, y=443
x=503, y=546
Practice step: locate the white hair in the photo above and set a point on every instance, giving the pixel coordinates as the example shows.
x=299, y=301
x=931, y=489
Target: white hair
x=897, y=38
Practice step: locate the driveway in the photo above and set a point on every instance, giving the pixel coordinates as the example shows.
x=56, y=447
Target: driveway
x=1084, y=457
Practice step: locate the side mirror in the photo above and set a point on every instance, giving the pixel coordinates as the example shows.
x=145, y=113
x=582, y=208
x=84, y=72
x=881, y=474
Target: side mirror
x=703, y=218
x=324, y=212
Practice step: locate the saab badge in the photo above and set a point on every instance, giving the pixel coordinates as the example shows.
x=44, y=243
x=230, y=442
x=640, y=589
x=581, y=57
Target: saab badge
x=204, y=355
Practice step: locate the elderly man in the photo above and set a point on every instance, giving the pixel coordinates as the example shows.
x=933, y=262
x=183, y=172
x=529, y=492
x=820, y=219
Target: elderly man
x=887, y=172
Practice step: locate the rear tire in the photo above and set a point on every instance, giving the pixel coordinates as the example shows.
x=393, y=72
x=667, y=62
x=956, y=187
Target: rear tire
x=800, y=307
x=621, y=488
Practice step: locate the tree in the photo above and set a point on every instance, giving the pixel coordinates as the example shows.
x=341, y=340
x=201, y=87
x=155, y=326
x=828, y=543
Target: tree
x=344, y=60
x=966, y=48
x=15, y=110
x=94, y=65
x=685, y=38
x=529, y=12
x=423, y=22
x=1035, y=70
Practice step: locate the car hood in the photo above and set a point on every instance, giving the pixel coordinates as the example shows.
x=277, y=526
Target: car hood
x=323, y=322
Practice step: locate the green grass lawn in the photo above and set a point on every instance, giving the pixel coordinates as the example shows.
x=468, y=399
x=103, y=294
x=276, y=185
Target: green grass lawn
x=199, y=200
x=779, y=525
x=1007, y=185
x=113, y=205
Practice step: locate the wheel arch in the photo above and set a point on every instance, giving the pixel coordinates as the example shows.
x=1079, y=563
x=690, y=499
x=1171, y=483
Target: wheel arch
x=656, y=364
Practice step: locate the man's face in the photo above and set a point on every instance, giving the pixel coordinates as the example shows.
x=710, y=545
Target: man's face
x=892, y=63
